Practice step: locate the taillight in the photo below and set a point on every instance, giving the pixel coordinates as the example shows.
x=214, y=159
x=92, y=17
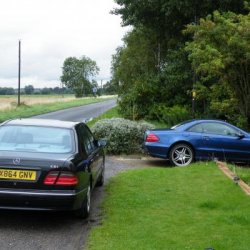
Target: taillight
x=152, y=138
x=60, y=178
x=67, y=179
x=51, y=177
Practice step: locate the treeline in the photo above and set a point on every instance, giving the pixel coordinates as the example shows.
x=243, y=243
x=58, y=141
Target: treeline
x=30, y=90
x=184, y=59
x=107, y=89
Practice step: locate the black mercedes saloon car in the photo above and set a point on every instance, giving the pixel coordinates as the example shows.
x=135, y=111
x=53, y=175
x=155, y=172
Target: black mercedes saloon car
x=49, y=165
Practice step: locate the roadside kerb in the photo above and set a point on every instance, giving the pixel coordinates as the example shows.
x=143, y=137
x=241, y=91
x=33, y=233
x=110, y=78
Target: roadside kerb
x=224, y=168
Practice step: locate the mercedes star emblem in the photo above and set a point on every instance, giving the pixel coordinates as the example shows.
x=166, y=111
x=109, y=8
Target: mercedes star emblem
x=17, y=161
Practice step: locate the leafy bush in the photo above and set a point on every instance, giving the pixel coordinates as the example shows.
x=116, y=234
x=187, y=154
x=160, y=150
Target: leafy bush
x=169, y=115
x=123, y=136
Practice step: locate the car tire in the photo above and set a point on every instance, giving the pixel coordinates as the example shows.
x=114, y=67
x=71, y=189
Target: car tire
x=84, y=211
x=181, y=155
x=100, y=181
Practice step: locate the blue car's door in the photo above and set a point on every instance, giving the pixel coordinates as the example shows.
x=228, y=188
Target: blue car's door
x=225, y=141
x=237, y=148
x=208, y=143
x=213, y=145
x=219, y=140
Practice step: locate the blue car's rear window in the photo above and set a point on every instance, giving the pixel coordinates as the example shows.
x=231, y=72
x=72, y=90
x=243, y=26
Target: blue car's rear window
x=181, y=124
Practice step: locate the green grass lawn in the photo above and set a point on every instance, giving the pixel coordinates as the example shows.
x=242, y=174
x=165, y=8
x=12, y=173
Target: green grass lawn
x=195, y=207
x=36, y=109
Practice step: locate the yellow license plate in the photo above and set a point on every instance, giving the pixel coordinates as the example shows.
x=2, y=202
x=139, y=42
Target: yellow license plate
x=18, y=174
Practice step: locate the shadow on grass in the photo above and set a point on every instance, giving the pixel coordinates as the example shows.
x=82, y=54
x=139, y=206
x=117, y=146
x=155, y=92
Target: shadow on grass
x=135, y=161
x=153, y=162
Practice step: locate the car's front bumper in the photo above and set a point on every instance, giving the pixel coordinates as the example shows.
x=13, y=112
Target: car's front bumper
x=56, y=200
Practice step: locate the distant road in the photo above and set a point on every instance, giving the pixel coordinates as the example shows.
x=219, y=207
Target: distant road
x=81, y=113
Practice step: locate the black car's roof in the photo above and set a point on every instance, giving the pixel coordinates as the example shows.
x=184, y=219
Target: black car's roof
x=42, y=123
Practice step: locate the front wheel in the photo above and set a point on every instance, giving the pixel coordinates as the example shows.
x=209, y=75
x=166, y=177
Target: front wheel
x=84, y=211
x=181, y=155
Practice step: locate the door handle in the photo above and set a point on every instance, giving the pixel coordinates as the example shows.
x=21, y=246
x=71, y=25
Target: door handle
x=206, y=138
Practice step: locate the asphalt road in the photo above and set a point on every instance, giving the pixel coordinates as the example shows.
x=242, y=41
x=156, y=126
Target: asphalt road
x=81, y=113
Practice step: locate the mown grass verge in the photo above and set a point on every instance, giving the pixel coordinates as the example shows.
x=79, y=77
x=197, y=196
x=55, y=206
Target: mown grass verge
x=36, y=109
x=173, y=208
x=112, y=113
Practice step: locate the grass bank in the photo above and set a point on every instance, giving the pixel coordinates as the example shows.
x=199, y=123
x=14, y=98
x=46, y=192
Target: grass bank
x=242, y=171
x=36, y=109
x=112, y=113
x=196, y=207
x=159, y=124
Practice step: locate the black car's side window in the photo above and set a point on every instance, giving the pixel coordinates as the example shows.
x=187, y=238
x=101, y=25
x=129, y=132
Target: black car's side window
x=88, y=139
x=81, y=139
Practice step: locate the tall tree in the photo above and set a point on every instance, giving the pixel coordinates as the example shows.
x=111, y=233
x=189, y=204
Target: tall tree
x=221, y=49
x=132, y=68
x=168, y=17
x=78, y=73
x=152, y=67
x=152, y=13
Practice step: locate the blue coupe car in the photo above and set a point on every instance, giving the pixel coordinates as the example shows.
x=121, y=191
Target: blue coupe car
x=199, y=140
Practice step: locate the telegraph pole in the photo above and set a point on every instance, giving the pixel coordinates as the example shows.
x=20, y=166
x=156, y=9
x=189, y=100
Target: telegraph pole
x=194, y=73
x=19, y=72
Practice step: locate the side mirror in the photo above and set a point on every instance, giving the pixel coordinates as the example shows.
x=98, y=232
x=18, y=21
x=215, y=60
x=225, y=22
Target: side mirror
x=102, y=143
x=240, y=135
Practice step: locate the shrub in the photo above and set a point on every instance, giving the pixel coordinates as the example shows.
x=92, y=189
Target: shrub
x=169, y=115
x=123, y=136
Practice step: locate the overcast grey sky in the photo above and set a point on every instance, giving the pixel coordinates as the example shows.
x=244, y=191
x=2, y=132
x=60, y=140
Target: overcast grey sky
x=52, y=30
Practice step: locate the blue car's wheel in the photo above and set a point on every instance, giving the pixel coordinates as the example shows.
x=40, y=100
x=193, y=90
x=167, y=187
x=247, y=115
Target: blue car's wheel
x=181, y=155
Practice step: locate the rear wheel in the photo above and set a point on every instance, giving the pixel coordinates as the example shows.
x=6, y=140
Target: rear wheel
x=84, y=211
x=100, y=181
x=181, y=155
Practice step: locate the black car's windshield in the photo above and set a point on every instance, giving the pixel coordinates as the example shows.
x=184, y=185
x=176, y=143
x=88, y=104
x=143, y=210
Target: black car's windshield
x=35, y=139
